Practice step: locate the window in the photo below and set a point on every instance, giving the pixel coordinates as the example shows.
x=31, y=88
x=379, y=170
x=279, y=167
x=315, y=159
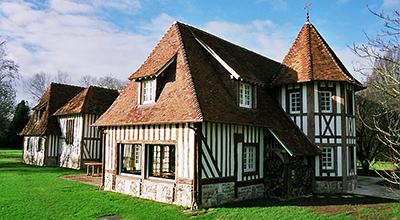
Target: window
x=245, y=95
x=326, y=103
x=39, y=113
x=327, y=158
x=29, y=144
x=148, y=91
x=294, y=102
x=39, y=145
x=349, y=103
x=130, y=158
x=69, y=135
x=162, y=161
x=249, y=158
x=351, y=159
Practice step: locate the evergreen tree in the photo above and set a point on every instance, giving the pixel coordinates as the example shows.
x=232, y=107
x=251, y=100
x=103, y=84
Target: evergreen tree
x=21, y=117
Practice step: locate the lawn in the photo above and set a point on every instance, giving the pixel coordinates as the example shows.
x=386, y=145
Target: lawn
x=29, y=192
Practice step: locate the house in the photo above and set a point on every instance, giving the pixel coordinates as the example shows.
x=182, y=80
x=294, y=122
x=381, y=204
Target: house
x=199, y=125
x=79, y=142
x=317, y=92
x=42, y=132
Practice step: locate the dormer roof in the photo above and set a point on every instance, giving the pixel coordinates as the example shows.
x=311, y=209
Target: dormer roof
x=311, y=59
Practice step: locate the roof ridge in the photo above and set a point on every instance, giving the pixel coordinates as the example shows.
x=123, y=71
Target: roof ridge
x=191, y=83
x=309, y=57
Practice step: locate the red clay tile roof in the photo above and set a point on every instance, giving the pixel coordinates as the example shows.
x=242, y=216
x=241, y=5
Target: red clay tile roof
x=196, y=87
x=311, y=59
x=92, y=100
x=55, y=96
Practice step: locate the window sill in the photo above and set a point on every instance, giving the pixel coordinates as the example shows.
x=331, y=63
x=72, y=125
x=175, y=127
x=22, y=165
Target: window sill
x=156, y=179
x=135, y=176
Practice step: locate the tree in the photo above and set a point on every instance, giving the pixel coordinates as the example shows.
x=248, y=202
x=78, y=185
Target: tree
x=111, y=82
x=21, y=117
x=37, y=84
x=8, y=74
x=383, y=54
x=87, y=81
x=369, y=147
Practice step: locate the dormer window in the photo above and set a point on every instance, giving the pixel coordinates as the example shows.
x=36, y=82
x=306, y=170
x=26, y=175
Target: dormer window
x=148, y=91
x=39, y=113
x=245, y=95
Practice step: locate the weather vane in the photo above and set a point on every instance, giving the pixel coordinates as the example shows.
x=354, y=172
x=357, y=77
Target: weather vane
x=308, y=5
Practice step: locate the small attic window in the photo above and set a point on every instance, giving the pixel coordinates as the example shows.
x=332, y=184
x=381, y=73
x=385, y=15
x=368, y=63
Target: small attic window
x=39, y=113
x=148, y=91
x=245, y=95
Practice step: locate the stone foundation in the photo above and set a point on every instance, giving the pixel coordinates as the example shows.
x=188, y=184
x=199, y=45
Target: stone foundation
x=158, y=190
x=335, y=186
x=221, y=193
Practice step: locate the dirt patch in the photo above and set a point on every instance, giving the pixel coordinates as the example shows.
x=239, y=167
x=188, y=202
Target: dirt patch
x=83, y=178
x=333, y=210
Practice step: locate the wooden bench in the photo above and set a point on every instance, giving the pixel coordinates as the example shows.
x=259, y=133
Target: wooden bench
x=94, y=166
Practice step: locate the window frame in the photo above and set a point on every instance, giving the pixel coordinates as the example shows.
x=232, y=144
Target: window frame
x=69, y=131
x=148, y=97
x=137, y=150
x=171, y=160
x=350, y=103
x=246, y=159
x=327, y=158
x=29, y=144
x=291, y=102
x=325, y=103
x=245, y=100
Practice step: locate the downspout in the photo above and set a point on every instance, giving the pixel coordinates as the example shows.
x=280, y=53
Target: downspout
x=102, y=144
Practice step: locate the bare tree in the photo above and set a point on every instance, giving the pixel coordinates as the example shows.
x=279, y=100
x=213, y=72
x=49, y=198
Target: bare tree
x=8, y=74
x=87, y=81
x=37, y=84
x=383, y=53
x=111, y=82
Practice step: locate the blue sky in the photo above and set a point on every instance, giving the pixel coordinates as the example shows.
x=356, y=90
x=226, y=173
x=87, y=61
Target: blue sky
x=101, y=37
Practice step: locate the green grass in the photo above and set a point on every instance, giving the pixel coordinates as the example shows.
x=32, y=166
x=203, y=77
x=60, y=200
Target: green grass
x=30, y=192
x=7, y=153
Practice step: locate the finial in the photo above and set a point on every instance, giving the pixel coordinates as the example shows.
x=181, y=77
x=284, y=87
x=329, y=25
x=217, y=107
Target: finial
x=308, y=5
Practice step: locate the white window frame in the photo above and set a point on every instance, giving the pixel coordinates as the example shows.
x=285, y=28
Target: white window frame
x=148, y=91
x=135, y=153
x=326, y=101
x=245, y=95
x=294, y=102
x=249, y=158
x=327, y=158
x=161, y=161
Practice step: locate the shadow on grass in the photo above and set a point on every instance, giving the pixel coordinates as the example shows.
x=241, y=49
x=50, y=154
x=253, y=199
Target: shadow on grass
x=25, y=168
x=314, y=200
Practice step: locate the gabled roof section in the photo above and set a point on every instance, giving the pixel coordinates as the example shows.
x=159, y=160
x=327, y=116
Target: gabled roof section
x=55, y=96
x=311, y=59
x=92, y=100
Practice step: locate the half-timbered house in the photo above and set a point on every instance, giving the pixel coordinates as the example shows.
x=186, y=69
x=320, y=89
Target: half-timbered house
x=317, y=91
x=79, y=142
x=195, y=125
x=42, y=132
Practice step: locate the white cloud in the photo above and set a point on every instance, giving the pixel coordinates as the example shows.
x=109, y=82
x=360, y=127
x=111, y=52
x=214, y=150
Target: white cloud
x=61, y=38
x=126, y=6
x=389, y=4
x=64, y=6
x=260, y=36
